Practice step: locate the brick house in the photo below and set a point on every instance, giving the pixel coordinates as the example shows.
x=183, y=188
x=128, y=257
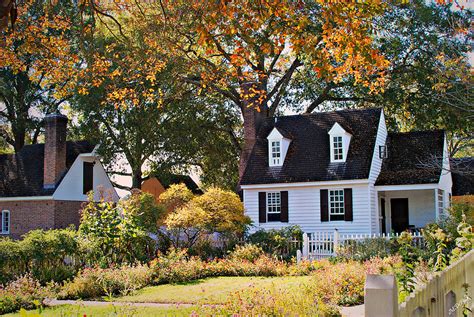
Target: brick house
x=43, y=186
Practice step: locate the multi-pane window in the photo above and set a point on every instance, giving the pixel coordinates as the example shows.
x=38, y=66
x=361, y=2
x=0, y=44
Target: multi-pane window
x=440, y=201
x=336, y=204
x=383, y=152
x=273, y=203
x=5, y=222
x=337, y=148
x=276, y=152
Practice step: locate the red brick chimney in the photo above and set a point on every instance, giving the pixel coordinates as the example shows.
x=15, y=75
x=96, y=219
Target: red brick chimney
x=54, y=149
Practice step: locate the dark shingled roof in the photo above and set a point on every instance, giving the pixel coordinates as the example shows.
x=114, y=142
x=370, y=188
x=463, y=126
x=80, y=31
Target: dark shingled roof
x=413, y=158
x=168, y=179
x=21, y=174
x=463, y=176
x=308, y=155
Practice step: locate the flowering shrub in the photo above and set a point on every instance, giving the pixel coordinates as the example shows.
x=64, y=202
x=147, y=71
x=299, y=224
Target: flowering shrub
x=340, y=284
x=24, y=292
x=95, y=282
x=248, y=252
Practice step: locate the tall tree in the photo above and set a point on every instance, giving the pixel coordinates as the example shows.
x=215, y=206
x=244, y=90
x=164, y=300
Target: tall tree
x=150, y=121
x=249, y=51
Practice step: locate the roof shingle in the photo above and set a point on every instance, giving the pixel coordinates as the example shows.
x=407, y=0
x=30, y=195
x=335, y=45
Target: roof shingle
x=308, y=158
x=413, y=158
x=21, y=174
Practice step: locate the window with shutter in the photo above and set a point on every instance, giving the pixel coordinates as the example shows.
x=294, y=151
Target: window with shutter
x=5, y=222
x=87, y=177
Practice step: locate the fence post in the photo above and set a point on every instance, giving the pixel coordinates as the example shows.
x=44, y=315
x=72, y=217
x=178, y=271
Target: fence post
x=381, y=296
x=298, y=256
x=336, y=242
x=305, y=245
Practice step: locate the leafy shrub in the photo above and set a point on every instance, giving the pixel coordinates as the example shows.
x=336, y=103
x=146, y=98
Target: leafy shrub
x=116, y=232
x=278, y=241
x=24, y=292
x=96, y=282
x=43, y=254
x=248, y=252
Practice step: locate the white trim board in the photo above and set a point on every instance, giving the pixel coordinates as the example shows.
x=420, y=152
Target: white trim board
x=307, y=184
x=26, y=198
x=405, y=187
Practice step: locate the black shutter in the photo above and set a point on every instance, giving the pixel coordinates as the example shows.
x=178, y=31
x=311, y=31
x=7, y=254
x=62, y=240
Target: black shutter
x=284, y=206
x=348, y=204
x=324, y=205
x=262, y=207
x=87, y=177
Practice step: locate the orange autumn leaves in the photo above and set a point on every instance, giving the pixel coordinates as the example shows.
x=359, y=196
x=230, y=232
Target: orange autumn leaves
x=229, y=44
x=40, y=46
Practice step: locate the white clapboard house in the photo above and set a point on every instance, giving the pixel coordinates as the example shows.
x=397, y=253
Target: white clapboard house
x=342, y=170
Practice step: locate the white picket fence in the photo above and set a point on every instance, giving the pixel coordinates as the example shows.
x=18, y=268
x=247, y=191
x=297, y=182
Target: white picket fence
x=319, y=245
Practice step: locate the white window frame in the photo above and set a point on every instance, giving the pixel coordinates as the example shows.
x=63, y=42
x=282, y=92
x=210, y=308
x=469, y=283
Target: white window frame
x=273, y=202
x=2, y=221
x=275, y=154
x=339, y=141
x=336, y=206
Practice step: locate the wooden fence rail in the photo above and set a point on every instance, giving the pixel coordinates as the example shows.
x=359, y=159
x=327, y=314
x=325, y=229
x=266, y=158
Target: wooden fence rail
x=448, y=293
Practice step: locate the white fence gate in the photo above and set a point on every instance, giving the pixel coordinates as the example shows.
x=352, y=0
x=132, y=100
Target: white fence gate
x=319, y=245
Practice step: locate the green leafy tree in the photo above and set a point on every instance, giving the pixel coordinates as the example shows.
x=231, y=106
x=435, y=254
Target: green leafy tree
x=113, y=234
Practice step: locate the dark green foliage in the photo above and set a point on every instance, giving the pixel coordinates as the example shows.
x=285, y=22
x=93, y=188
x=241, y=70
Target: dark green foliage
x=278, y=242
x=44, y=254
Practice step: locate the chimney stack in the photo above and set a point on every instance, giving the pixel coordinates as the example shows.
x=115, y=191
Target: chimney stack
x=54, y=149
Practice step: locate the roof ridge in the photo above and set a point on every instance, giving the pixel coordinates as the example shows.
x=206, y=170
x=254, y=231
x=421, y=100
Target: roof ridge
x=326, y=112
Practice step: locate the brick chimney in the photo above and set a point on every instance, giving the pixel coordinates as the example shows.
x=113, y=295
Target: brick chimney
x=54, y=149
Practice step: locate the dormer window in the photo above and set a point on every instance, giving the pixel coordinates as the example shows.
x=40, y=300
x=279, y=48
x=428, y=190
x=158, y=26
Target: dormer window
x=276, y=152
x=338, y=154
x=339, y=140
x=278, y=146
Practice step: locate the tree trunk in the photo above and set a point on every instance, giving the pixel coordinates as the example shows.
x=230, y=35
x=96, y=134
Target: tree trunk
x=253, y=119
x=137, y=178
x=19, y=139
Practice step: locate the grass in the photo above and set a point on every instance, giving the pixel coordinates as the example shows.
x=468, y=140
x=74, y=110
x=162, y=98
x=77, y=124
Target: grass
x=106, y=311
x=208, y=291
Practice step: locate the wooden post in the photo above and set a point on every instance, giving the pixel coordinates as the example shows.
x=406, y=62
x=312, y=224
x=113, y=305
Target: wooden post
x=305, y=246
x=381, y=296
x=298, y=256
x=336, y=242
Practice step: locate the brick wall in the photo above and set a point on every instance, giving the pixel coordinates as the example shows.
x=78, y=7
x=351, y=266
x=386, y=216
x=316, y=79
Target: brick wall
x=40, y=214
x=67, y=213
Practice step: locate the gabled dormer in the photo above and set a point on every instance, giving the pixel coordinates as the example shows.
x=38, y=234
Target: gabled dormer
x=278, y=144
x=339, y=140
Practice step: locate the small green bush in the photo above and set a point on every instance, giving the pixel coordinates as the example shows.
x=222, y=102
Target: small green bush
x=278, y=242
x=42, y=253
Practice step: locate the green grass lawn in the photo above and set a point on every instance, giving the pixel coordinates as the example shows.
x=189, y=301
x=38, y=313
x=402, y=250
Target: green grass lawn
x=106, y=311
x=208, y=291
